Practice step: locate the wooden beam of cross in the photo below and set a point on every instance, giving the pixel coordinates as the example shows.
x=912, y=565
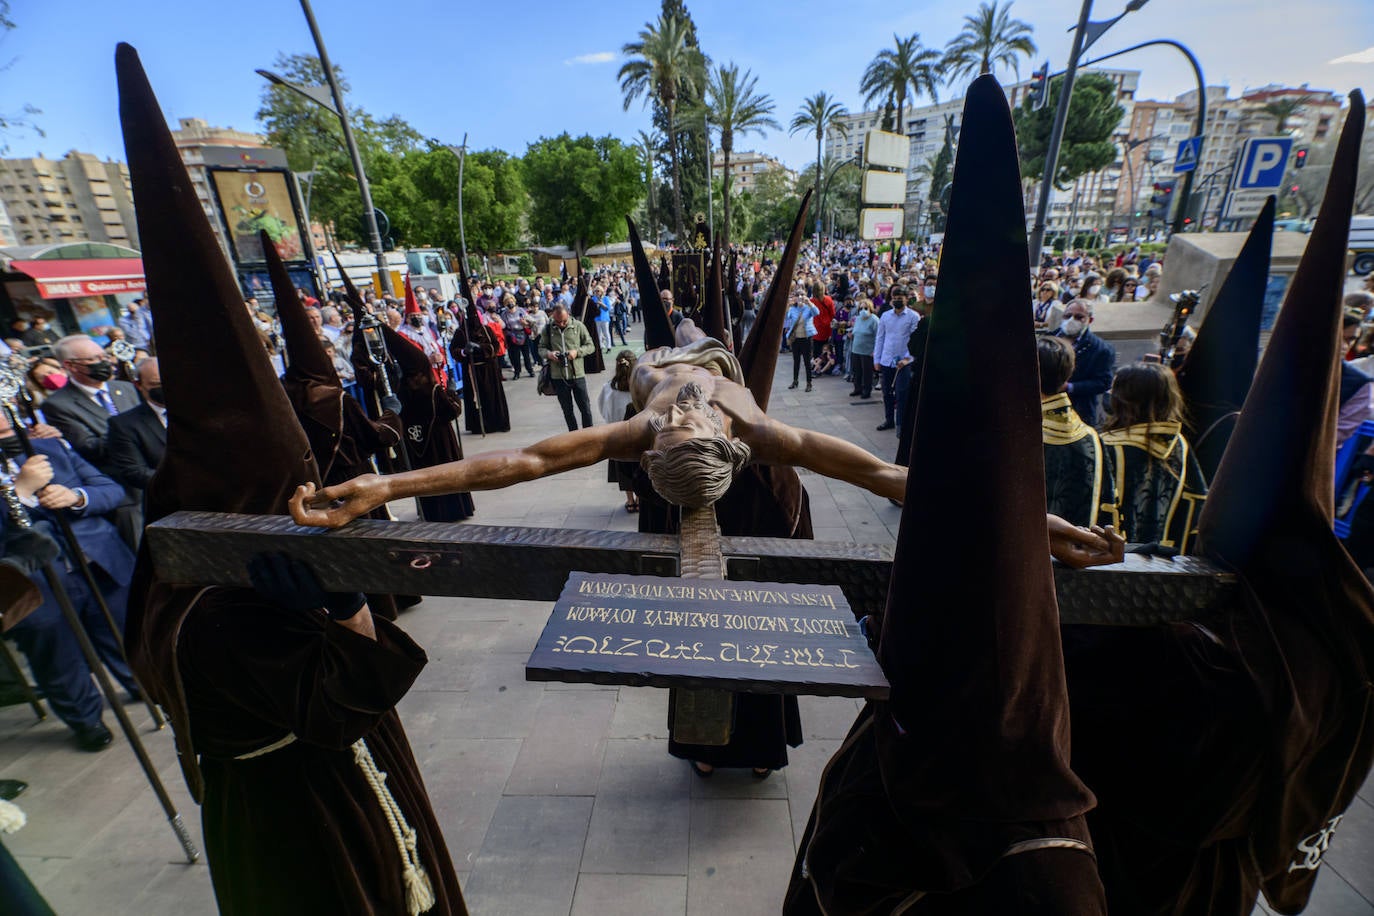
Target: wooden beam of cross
x=474, y=561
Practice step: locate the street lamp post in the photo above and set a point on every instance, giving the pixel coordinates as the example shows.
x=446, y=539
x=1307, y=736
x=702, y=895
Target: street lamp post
x=1084, y=34
x=364, y=190
x=462, y=153
x=1200, y=123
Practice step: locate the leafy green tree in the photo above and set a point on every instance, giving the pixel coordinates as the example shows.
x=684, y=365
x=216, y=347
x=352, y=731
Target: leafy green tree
x=693, y=146
x=581, y=188
x=941, y=168
x=774, y=200
x=1092, y=120
x=494, y=199
x=313, y=141
x=818, y=114
x=906, y=68
x=839, y=195
x=735, y=108
x=990, y=39
x=1282, y=111
x=661, y=65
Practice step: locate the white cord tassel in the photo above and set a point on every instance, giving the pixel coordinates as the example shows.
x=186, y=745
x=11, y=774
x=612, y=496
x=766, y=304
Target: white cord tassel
x=11, y=817
x=419, y=890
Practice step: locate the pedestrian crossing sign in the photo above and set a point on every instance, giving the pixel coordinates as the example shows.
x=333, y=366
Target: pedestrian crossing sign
x=1186, y=159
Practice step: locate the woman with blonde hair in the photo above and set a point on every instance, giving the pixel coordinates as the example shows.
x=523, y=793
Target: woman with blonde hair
x=1159, y=484
x=614, y=404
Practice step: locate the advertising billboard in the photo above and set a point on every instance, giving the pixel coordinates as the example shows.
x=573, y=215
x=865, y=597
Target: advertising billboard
x=251, y=200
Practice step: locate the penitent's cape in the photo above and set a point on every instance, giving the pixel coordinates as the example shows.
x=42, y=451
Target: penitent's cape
x=956, y=794
x=279, y=715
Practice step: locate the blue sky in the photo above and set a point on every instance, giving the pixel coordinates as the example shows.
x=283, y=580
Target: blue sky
x=508, y=73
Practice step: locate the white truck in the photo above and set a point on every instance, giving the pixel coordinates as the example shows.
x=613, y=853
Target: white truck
x=1362, y=243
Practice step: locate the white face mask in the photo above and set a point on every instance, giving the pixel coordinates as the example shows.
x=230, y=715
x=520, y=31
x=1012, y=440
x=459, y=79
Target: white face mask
x=930, y=292
x=1072, y=327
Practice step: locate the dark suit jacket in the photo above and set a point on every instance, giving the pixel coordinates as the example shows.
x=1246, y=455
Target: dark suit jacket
x=135, y=445
x=83, y=422
x=97, y=536
x=1094, y=366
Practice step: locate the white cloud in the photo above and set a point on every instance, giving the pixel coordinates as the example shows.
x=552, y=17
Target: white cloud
x=1359, y=57
x=598, y=57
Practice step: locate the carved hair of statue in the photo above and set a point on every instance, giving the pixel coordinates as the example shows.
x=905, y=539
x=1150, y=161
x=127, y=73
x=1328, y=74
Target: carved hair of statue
x=695, y=473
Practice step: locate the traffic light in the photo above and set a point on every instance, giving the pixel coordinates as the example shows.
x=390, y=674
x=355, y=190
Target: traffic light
x=1300, y=157
x=1162, y=199
x=1040, y=87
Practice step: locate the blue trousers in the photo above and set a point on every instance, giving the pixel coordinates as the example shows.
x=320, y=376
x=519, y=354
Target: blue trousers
x=54, y=654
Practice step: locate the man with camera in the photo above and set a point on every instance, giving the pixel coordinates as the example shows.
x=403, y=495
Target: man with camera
x=564, y=340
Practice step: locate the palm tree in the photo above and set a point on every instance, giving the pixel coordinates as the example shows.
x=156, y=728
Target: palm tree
x=734, y=108
x=1283, y=109
x=819, y=113
x=894, y=72
x=990, y=38
x=648, y=145
x=661, y=65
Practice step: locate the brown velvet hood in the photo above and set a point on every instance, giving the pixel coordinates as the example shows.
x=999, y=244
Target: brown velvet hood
x=758, y=356
x=970, y=640
x=658, y=330
x=233, y=443
x=1306, y=617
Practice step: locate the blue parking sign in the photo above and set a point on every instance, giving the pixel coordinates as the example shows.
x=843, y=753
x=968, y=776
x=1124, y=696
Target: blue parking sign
x=1263, y=162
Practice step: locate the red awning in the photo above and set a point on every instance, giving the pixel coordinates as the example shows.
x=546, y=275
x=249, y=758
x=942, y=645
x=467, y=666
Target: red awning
x=61, y=278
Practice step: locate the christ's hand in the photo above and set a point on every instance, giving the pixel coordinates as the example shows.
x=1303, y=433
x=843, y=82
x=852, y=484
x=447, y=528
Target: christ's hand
x=1083, y=547
x=358, y=496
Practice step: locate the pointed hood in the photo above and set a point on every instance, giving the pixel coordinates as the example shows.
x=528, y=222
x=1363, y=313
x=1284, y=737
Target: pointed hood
x=759, y=355
x=311, y=384
x=1281, y=459
x=233, y=443
x=223, y=400
x=975, y=663
x=1216, y=375
x=665, y=273
x=658, y=330
x=1269, y=516
x=412, y=307
x=732, y=298
x=713, y=313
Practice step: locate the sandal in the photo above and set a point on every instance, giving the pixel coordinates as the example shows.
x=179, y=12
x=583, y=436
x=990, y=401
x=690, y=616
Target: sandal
x=698, y=769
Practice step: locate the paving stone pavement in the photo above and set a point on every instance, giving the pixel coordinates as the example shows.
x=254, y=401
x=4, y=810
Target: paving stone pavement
x=554, y=799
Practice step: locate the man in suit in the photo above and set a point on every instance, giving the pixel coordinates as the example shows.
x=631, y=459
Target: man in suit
x=82, y=409
x=1094, y=361
x=55, y=481
x=138, y=437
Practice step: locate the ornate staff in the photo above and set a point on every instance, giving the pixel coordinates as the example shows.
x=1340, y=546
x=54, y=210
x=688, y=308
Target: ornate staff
x=9, y=387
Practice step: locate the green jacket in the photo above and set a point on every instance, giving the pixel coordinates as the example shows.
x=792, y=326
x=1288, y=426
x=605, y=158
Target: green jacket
x=554, y=339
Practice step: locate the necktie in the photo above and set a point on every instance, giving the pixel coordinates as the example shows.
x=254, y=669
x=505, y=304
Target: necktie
x=103, y=398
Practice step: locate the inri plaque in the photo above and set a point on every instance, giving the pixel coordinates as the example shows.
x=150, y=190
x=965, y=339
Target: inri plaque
x=759, y=637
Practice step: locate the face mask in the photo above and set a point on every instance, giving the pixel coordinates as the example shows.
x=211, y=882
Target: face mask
x=155, y=395
x=416, y=320
x=1072, y=327
x=54, y=380
x=100, y=372
x=930, y=292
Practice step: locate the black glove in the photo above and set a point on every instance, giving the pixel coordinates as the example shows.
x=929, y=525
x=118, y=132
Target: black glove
x=291, y=584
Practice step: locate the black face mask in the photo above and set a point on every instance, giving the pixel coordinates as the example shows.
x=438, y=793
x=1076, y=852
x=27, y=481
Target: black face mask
x=416, y=320
x=100, y=372
x=155, y=395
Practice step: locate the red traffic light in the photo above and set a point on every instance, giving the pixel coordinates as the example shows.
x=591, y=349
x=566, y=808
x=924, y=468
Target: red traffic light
x=1294, y=189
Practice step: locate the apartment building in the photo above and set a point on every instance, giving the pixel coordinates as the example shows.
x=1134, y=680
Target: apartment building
x=79, y=197
x=745, y=167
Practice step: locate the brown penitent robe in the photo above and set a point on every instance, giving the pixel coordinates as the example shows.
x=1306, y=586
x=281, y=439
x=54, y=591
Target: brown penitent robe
x=428, y=410
x=955, y=795
x=1253, y=729
x=484, y=395
x=281, y=717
